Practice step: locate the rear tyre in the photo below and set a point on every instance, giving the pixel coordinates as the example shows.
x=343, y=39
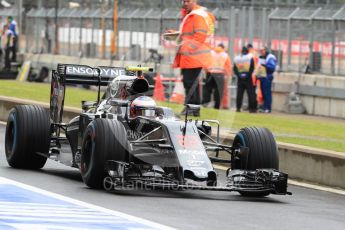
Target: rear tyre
x=103, y=140
x=27, y=133
x=263, y=152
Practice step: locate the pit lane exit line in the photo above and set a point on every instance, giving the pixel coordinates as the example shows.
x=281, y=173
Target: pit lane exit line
x=27, y=207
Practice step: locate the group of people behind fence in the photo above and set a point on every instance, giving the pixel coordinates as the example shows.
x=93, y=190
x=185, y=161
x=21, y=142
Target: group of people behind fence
x=9, y=40
x=255, y=75
x=194, y=54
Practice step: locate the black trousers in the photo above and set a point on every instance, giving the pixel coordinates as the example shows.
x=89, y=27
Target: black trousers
x=246, y=84
x=11, y=54
x=214, y=83
x=14, y=50
x=7, y=58
x=191, y=85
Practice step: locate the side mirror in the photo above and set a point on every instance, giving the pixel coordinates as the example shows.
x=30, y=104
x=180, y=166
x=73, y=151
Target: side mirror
x=86, y=105
x=192, y=107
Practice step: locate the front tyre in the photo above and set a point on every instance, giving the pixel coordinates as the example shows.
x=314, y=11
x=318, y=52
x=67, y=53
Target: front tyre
x=103, y=140
x=27, y=133
x=263, y=152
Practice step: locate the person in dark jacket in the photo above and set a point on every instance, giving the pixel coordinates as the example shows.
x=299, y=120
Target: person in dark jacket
x=8, y=42
x=243, y=69
x=12, y=27
x=264, y=72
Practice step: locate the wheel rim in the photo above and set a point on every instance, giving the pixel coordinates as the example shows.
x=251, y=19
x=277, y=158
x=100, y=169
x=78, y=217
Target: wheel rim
x=239, y=142
x=10, y=138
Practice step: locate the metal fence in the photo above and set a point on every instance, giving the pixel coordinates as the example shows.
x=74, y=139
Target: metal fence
x=309, y=40
x=304, y=40
x=80, y=31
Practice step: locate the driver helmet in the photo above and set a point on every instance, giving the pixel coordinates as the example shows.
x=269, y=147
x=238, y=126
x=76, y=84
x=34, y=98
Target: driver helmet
x=143, y=106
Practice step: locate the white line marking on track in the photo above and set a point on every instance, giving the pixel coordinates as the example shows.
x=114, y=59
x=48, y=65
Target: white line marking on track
x=84, y=204
x=22, y=204
x=46, y=212
x=301, y=184
x=54, y=214
x=62, y=220
x=40, y=227
x=2, y=123
x=317, y=187
x=8, y=207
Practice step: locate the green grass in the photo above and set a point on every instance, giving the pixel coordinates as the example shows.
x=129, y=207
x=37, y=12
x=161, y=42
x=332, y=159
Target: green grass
x=310, y=131
x=317, y=132
x=41, y=92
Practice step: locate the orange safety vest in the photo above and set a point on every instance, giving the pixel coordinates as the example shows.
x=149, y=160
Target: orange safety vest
x=220, y=62
x=211, y=21
x=259, y=96
x=256, y=62
x=193, y=52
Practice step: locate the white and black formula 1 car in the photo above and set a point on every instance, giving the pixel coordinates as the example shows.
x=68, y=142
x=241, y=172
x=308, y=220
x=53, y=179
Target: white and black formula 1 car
x=123, y=139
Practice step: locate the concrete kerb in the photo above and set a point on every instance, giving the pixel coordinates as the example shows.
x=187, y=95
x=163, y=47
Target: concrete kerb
x=303, y=163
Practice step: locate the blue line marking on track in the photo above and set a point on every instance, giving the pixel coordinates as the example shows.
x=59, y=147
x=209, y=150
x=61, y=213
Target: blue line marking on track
x=27, y=207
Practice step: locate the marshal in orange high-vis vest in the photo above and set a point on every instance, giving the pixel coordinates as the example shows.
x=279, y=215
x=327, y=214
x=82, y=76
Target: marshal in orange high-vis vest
x=194, y=51
x=220, y=62
x=211, y=28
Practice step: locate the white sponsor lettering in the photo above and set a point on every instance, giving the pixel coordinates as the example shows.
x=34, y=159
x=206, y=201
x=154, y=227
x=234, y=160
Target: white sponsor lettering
x=133, y=134
x=90, y=71
x=117, y=72
x=106, y=71
x=195, y=163
x=75, y=70
x=200, y=172
x=190, y=152
x=69, y=69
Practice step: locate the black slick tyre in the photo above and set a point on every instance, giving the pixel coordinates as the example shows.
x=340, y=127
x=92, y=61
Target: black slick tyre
x=27, y=133
x=263, y=152
x=104, y=139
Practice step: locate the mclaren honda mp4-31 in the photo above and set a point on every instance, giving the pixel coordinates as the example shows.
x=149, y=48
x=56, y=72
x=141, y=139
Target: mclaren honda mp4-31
x=114, y=149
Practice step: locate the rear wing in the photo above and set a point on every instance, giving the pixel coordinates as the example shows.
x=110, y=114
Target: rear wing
x=86, y=75
x=83, y=75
